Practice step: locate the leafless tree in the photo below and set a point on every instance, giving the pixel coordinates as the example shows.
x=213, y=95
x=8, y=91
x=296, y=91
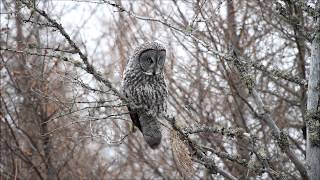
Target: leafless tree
x=243, y=92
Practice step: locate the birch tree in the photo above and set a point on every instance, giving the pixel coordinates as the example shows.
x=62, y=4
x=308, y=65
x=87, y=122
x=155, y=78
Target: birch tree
x=313, y=106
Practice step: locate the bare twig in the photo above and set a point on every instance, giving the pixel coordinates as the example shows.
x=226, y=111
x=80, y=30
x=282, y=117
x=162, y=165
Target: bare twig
x=226, y=56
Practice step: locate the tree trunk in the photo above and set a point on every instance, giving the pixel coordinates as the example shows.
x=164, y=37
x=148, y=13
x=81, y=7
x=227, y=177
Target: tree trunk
x=313, y=122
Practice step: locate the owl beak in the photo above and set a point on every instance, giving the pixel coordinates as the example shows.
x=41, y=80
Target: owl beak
x=155, y=68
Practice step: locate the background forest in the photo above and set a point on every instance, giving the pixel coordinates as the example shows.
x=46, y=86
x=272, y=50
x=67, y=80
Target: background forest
x=238, y=75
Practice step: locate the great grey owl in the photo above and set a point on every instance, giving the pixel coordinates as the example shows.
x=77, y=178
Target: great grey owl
x=144, y=84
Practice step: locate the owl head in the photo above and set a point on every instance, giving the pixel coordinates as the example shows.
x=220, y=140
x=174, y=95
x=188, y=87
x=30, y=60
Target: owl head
x=149, y=58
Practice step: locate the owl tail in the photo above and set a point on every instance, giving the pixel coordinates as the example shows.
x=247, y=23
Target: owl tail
x=151, y=130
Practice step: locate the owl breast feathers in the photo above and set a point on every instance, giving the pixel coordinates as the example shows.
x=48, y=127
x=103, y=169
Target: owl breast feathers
x=144, y=85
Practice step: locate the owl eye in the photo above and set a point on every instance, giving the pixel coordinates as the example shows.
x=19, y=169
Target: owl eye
x=162, y=58
x=146, y=61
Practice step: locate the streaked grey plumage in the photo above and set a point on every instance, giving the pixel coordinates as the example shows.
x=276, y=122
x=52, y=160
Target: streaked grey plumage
x=144, y=84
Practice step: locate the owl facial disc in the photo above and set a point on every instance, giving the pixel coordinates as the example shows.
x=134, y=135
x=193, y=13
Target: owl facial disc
x=151, y=61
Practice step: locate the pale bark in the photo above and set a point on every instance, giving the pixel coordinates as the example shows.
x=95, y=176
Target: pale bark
x=313, y=127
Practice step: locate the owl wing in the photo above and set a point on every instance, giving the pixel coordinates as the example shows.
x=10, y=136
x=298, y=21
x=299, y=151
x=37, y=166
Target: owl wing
x=135, y=118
